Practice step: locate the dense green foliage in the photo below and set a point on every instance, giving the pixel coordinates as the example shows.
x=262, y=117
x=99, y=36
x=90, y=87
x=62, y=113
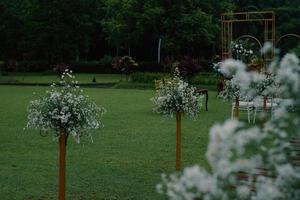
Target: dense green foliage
x=64, y=30
x=147, y=77
x=49, y=78
x=124, y=161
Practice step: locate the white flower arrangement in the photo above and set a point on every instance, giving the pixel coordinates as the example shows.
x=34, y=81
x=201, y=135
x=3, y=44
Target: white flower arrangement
x=243, y=84
x=176, y=96
x=241, y=51
x=267, y=85
x=230, y=152
x=65, y=109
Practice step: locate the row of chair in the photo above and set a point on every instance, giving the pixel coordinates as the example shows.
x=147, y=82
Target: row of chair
x=258, y=105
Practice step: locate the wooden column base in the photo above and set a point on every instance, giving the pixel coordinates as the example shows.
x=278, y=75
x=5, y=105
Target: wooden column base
x=237, y=107
x=178, y=144
x=62, y=165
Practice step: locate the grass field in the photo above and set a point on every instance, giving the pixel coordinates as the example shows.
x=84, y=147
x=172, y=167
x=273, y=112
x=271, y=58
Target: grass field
x=124, y=161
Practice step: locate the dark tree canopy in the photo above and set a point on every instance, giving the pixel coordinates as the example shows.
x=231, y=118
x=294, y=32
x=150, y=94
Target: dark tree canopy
x=66, y=30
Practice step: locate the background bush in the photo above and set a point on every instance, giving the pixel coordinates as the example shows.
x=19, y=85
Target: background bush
x=140, y=77
x=95, y=66
x=204, y=79
x=198, y=79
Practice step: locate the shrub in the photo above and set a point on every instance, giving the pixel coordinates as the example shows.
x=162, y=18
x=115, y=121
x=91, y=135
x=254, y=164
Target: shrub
x=204, y=79
x=188, y=66
x=125, y=65
x=104, y=65
x=106, y=60
x=144, y=77
x=28, y=66
x=150, y=66
x=91, y=67
x=60, y=68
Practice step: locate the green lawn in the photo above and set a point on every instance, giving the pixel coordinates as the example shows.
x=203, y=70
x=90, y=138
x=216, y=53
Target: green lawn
x=124, y=162
x=50, y=78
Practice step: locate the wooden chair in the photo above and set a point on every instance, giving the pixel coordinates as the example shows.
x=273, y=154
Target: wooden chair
x=264, y=104
x=243, y=105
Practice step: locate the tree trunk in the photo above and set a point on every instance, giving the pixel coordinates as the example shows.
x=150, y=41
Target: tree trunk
x=158, y=50
x=129, y=51
x=77, y=54
x=117, y=51
x=178, y=145
x=62, y=165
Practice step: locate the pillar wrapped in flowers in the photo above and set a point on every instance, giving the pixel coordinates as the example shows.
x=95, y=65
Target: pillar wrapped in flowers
x=64, y=111
x=176, y=97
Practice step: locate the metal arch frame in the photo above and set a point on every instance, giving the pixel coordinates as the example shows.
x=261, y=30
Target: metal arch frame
x=228, y=19
x=255, y=39
x=287, y=35
x=250, y=36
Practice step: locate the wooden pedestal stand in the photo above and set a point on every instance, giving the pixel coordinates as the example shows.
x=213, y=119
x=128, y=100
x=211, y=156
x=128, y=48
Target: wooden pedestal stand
x=237, y=108
x=178, y=144
x=62, y=165
x=265, y=103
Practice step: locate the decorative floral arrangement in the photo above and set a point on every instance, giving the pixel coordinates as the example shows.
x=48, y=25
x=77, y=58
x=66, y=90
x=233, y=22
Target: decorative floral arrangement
x=176, y=96
x=232, y=85
x=265, y=87
x=231, y=90
x=65, y=108
x=236, y=72
x=269, y=172
x=241, y=50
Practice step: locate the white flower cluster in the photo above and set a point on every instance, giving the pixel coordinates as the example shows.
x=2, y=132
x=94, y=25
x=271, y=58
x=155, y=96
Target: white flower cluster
x=240, y=51
x=242, y=83
x=255, y=163
x=65, y=109
x=176, y=96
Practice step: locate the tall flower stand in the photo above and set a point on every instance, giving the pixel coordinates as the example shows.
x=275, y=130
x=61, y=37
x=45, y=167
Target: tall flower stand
x=178, y=144
x=62, y=165
x=237, y=108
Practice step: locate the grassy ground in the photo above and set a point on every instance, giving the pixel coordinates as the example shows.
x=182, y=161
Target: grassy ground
x=124, y=162
x=50, y=78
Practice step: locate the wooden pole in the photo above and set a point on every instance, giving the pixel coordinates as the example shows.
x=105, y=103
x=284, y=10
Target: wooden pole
x=178, y=144
x=237, y=108
x=62, y=165
x=265, y=103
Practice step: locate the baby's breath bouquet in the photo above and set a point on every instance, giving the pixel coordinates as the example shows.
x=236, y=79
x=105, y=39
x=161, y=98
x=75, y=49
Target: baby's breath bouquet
x=65, y=108
x=241, y=50
x=177, y=97
x=65, y=111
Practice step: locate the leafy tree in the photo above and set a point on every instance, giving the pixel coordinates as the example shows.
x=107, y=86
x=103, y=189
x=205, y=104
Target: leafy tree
x=63, y=30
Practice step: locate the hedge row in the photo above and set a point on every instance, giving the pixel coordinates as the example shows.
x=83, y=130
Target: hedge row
x=198, y=79
x=146, y=77
x=79, y=67
x=204, y=79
